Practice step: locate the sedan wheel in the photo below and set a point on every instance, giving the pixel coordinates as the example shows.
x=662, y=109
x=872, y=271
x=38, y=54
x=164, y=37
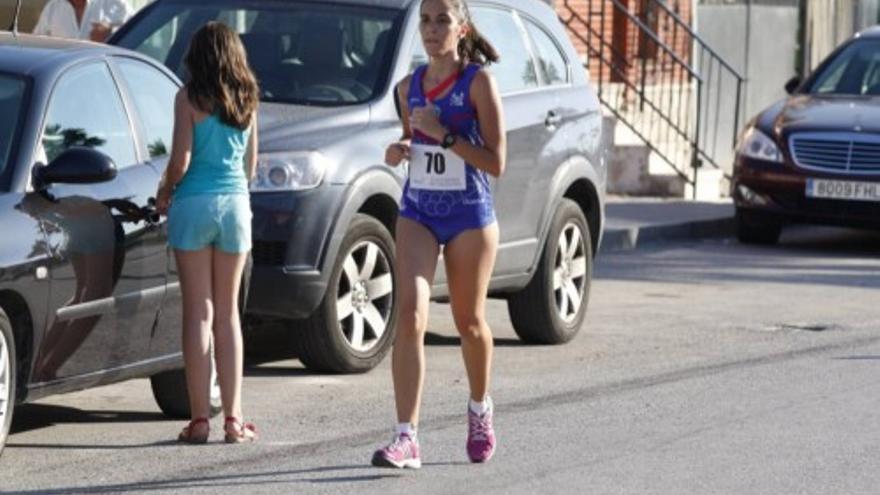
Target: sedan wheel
x=7, y=377
x=172, y=396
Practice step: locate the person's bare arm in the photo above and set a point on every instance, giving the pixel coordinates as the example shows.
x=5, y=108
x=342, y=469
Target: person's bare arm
x=181, y=150
x=252, y=153
x=492, y=155
x=399, y=150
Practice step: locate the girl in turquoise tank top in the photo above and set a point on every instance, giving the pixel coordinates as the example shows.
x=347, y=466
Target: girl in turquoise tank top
x=204, y=192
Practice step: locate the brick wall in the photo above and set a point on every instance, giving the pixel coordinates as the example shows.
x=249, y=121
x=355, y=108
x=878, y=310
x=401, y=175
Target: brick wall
x=587, y=20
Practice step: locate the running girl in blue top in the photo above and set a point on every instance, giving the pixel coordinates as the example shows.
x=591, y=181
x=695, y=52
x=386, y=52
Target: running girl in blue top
x=453, y=137
x=205, y=193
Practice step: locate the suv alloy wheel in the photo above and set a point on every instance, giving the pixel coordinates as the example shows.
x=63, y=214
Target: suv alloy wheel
x=551, y=309
x=353, y=327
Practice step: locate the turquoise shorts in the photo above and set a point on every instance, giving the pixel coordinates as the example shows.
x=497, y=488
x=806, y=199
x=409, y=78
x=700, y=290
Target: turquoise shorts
x=221, y=221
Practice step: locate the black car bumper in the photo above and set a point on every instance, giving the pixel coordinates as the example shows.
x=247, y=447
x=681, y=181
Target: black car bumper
x=291, y=233
x=778, y=192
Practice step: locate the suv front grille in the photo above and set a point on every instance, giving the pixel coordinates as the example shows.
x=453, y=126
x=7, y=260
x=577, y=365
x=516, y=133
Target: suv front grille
x=269, y=253
x=837, y=152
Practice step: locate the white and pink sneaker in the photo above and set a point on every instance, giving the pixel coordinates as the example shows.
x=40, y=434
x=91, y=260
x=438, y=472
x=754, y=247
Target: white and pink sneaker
x=481, y=435
x=402, y=452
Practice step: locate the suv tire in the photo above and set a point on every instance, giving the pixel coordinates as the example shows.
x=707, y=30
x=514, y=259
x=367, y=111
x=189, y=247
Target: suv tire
x=551, y=308
x=7, y=377
x=352, y=329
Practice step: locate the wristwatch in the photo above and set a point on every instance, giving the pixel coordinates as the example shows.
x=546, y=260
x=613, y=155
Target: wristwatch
x=448, y=140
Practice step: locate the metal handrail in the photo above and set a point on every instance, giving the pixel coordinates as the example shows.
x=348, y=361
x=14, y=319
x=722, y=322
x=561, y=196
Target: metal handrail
x=696, y=37
x=667, y=119
x=639, y=134
x=642, y=26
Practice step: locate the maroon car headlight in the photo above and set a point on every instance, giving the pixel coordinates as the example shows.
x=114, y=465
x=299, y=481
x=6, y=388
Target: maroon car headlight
x=755, y=144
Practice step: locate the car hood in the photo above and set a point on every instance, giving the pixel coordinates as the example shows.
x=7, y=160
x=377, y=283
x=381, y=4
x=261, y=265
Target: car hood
x=285, y=127
x=809, y=113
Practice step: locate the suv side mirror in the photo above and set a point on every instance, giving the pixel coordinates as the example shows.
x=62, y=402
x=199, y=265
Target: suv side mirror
x=792, y=84
x=76, y=165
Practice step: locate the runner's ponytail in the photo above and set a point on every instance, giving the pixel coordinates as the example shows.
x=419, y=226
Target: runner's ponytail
x=473, y=48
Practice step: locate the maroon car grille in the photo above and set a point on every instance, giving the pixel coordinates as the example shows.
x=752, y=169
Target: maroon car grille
x=837, y=152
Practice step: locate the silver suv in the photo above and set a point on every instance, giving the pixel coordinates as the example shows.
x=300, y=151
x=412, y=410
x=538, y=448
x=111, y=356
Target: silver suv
x=325, y=204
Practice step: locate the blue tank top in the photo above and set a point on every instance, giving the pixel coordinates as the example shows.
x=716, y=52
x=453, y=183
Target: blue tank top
x=217, y=163
x=458, y=115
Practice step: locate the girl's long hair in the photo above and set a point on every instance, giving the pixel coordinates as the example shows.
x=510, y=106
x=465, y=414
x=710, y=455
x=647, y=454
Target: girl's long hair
x=220, y=79
x=473, y=48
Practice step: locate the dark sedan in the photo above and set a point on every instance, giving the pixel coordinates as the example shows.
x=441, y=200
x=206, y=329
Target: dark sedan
x=815, y=156
x=88, y=293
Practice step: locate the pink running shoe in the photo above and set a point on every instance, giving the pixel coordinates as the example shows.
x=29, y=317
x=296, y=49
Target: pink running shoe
x=481, y=436
x=402, y=452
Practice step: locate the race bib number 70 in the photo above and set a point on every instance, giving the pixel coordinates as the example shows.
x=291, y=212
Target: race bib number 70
x=434, y=168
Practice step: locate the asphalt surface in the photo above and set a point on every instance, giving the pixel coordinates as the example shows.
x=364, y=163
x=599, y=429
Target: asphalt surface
x=704, y=367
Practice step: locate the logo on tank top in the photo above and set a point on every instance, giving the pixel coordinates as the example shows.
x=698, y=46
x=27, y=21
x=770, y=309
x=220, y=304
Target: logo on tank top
x=457, y=99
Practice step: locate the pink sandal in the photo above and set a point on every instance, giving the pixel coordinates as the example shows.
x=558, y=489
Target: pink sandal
x=240, y=431
x=187, y=435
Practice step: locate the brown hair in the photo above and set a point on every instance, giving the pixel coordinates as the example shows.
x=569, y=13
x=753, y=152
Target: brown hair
x=473, y=47
x=220, y=79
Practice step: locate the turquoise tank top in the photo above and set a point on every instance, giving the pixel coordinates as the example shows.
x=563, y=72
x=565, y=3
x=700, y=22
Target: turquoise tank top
x=217, y=163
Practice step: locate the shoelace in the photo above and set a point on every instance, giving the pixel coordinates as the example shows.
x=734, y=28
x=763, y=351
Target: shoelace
x=401, y=443
x=480, y=427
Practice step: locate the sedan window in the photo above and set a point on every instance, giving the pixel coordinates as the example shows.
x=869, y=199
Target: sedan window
x=86, y=110
x=853, y=71
x=153, y=95
x=11, y=95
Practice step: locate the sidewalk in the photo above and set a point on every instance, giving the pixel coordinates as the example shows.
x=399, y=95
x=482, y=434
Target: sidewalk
x=633, y=222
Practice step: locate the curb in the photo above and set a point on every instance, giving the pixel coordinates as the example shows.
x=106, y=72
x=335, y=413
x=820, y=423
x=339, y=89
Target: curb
x=634, y=237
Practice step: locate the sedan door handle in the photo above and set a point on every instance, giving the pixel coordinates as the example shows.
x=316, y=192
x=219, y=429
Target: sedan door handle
x=553, y=119
x=149, y=212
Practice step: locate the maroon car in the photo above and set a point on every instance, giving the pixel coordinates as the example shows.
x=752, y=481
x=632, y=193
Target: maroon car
x=814, y=157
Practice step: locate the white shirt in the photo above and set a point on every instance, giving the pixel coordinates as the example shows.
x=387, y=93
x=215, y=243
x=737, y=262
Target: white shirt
x=59, y=18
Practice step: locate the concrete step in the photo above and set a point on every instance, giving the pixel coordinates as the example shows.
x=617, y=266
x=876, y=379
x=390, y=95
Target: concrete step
x=710, y=185
x=629, y=174
x=635, y=170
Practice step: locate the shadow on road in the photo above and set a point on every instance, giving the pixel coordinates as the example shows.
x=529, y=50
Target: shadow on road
x=435, y=339
x=264, y=478
x=35, y=416
x=805, y=255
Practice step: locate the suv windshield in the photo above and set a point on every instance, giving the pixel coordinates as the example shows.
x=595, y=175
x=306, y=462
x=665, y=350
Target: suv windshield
x=306, y=53
x=11, y=96
x=854, y=71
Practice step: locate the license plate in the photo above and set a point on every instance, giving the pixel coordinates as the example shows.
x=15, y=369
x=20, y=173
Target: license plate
x=843, y=189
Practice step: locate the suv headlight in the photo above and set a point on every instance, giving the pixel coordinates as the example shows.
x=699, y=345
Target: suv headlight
x=289, y=171
x=755, y=144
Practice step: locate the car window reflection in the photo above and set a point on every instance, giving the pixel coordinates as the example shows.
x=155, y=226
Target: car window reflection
x=93, y=241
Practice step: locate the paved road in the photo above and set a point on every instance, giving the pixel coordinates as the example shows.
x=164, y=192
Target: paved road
x=704, y=367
